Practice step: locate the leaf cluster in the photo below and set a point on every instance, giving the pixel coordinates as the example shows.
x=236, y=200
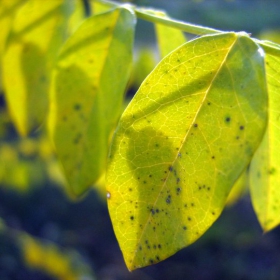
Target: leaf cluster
x=202, y=126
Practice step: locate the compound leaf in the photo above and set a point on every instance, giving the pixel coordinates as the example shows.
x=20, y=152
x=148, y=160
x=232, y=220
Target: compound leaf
x=36, y=35
x=185, y=138
x=265, y=167
x=87, y=93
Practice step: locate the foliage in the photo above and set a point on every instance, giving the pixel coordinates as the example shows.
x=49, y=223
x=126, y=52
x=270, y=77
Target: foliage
x=48, y=257
x=202, y=124
x=183, y=137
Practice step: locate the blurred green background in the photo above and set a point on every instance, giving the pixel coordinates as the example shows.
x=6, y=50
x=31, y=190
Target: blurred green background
x=47, y=235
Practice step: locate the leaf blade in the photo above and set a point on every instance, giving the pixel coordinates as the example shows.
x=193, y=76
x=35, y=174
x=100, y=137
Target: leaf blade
x=82, y=116
x=7, y=10
x=168, y=38
x=264, y=172
x=170, y=167
x=28, y=59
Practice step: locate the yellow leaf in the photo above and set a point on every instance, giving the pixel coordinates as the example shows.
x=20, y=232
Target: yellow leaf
x=182, y=142
x=7, y=12
x=98, y=8
x=36, y=35
x=87, y=93
x=77, y=17
x=265, y=167
x=143, y=65
x=168, y=38
x=238, y=189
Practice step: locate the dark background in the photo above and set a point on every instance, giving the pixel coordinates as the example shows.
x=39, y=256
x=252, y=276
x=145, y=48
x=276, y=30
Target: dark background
x=234, y=247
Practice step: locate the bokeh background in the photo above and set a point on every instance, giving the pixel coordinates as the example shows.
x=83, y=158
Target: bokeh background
x=45, y=234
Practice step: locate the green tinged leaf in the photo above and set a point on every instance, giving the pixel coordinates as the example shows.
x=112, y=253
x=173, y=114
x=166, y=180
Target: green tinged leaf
x=36, y=35
x=265, y=167
x=168, y=38
x=87, y=93
x=182, y=142
x=80, y=14
x=239, y=189
x=77, y=17
x=8, y=9
x=269, y=47
x=271, y=34
x=143, y=65
x=98, y=8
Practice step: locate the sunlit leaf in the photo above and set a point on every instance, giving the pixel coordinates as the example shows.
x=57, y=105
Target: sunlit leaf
x=98, y=8
x=182, y=142
x=269, y=47
x=77, y=17
x=265, y=167
x=36, y=35
x=168, y=38
x=79, y=14
x=8, y=9
x=153, y=16
x=87, y=93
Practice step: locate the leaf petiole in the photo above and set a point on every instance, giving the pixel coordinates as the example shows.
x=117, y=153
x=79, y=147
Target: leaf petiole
x=152, y=16
x=155, y=16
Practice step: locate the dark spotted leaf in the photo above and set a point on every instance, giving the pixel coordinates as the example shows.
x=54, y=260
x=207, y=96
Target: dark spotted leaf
x=182, y=142
x=87, y=93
